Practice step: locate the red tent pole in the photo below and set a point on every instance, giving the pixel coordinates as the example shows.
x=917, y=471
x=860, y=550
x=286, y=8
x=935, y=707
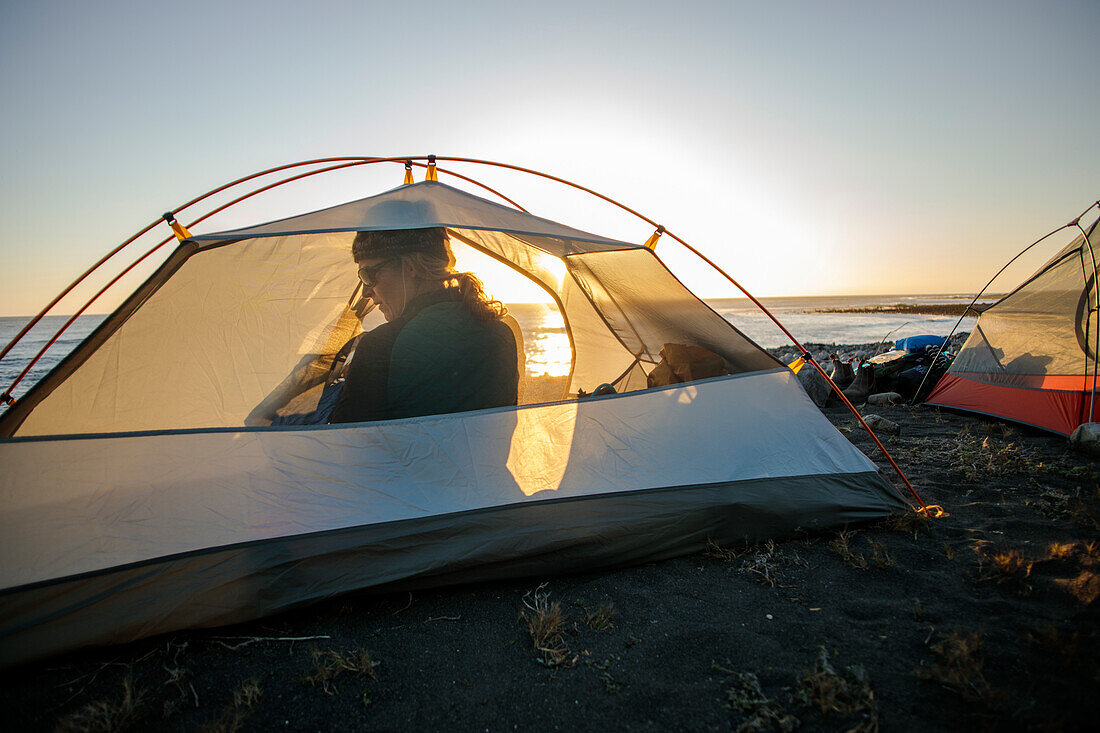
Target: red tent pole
x=809, y=358
x=6, y=396
x=65, y=291
x=361, y=161
x=758, y=304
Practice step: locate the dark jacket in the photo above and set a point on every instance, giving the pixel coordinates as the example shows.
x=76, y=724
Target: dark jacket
x=436, y=357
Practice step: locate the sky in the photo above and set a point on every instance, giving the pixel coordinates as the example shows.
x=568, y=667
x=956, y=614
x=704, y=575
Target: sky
x=806, y=147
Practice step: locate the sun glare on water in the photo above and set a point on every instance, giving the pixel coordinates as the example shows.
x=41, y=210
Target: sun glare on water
x=545, y=340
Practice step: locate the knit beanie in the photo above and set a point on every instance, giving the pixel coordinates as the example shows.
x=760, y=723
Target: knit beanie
x=395, y=242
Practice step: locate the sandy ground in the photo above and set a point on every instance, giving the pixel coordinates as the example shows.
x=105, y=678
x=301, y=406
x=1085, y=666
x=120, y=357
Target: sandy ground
x=986, y=619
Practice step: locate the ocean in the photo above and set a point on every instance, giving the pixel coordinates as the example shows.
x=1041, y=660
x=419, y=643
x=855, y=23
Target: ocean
x=852, y=320
x=811, y=319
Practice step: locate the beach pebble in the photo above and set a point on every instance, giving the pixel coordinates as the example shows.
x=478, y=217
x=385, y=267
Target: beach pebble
x=884, y=398
x=881, y=425
x=1086, y=438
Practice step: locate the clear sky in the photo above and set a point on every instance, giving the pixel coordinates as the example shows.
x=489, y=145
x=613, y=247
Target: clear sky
x=808, y=147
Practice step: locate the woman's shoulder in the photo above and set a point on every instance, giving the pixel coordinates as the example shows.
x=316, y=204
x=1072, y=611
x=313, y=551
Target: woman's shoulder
x=451, y=320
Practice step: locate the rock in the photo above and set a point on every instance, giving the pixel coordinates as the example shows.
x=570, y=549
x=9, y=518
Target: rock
x=816, y=386
x=884, y=398
x=1086, y=438
x=881, y=425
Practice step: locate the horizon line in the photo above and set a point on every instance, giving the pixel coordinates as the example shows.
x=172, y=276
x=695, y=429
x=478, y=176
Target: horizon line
x=701, y=297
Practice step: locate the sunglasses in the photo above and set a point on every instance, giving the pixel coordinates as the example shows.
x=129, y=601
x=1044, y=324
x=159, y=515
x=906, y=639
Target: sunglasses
x=369, y=274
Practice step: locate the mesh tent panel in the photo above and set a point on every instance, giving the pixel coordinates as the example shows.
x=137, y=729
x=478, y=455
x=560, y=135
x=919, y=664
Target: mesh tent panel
x=647, y=307
x=598, y=355
x=217, y=337
x=210, y=343
x=1039, y=330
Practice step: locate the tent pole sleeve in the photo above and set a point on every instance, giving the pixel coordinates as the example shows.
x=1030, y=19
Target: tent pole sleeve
x=179, y=229
x=651, y=243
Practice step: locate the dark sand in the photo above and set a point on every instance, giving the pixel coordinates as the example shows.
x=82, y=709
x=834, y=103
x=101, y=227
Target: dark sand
x=919, y=624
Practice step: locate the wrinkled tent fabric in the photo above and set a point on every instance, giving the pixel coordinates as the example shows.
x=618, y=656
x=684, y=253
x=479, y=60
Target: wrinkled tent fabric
x=134, y=502
x=1032, y=355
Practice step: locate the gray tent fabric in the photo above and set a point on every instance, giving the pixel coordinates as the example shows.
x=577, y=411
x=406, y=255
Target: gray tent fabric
x=135, y=500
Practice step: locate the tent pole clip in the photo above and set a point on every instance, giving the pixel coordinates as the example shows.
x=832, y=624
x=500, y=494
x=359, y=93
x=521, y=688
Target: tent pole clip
x=431, y=176
x=651, y=243
x=179, y=229
x=408, y=172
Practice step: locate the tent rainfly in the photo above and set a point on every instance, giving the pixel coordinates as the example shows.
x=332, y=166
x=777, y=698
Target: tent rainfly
x=135, y=499
x=1031, y=357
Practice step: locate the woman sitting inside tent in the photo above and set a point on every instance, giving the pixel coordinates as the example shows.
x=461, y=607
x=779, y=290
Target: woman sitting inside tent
x=444, y=347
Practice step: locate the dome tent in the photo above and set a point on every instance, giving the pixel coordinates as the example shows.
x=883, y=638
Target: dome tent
x=135, y=500
x=1031, y=357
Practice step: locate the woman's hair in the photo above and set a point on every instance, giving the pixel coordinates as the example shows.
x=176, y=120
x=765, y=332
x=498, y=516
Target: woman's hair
x=428, y=266
x=427, y=252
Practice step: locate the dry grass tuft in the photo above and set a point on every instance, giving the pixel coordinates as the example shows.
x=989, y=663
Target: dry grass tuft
x=1055, y=642
x=761, y=566
x=119, y=713
x=1065, y=505
x=547, y=626
x=600, y=619
x=1005, y=567
x=328, y=665
x=248, y=694
x=909, y=522
x=1085, y=559
x=1062, y=550
x=959, y=668
x=230, y=721
x=765, y=561
x=880, y=556
x=715, y=552
x=847, y=693
x=842, y=545
x=980, y=459
x=762, y=713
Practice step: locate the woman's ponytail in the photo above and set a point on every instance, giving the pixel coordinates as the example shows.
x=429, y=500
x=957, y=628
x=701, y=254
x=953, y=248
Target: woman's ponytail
x=475, y=299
